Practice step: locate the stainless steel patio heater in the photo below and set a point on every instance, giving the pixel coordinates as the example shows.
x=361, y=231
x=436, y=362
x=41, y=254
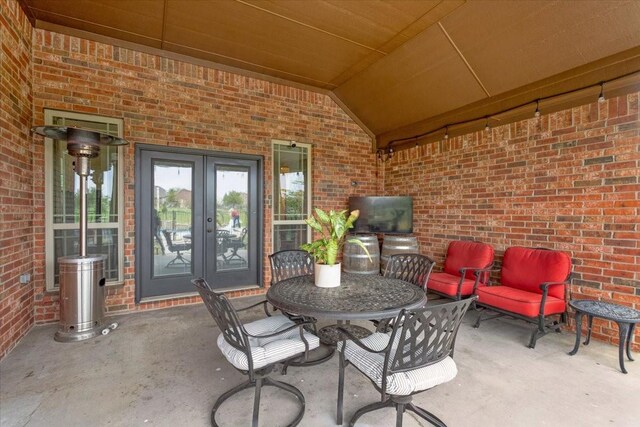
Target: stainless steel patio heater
x=81, y=276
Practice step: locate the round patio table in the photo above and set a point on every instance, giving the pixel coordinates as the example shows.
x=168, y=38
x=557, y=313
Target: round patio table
x=359, y=296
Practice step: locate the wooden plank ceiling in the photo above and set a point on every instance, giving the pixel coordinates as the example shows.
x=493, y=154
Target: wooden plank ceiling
x=401, y=67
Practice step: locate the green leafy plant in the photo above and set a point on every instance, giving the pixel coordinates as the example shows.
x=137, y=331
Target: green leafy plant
x=333, y=227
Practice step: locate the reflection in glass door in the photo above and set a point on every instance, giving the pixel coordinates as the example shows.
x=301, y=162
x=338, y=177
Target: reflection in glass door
x=232, y=217
x=172, y=217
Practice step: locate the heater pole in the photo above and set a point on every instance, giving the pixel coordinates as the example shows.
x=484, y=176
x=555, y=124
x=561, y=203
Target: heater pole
x=82, y=169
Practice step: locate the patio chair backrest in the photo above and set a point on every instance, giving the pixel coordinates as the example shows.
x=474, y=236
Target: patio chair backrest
x=464, y=253
x=425, y=336
x=290, y=263
x=225, y=317
x=526, y=268
x=412, y=268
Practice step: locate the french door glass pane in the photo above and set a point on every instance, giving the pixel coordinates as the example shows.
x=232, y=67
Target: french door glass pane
x=171, y=218
x=232, y=215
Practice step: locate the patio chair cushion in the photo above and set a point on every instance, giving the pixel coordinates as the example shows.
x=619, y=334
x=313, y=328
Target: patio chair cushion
x=527, y=268
x=463, y=253
x=399, y=383
x=518, y=301
x=265, y=351
x=446, y=283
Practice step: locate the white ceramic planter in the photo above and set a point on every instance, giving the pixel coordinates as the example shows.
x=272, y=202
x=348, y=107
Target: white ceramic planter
x=327, y=276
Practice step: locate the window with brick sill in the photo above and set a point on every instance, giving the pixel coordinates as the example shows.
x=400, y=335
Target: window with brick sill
x=104, y=199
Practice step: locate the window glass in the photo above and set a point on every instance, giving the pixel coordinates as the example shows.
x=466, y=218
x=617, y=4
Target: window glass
x=104, y=191
x=292, y=194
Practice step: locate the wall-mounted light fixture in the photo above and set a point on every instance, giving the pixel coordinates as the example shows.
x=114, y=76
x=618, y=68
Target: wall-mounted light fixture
x=385, y=154
x=601, y=98
x=537, y=113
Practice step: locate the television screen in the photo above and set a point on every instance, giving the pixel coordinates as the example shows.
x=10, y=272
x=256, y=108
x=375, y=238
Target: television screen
x=383, y=214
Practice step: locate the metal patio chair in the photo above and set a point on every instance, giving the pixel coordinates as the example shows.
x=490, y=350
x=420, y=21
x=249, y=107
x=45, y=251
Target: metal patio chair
x=290, y=263
x=293, y=263
x=416, y=356
x=254, y=348
x=410, y=267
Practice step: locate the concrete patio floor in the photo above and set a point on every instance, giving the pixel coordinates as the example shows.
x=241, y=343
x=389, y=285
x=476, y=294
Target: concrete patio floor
x=163, y=368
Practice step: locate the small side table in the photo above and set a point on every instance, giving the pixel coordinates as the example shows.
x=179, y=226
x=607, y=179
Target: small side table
x=625, y=317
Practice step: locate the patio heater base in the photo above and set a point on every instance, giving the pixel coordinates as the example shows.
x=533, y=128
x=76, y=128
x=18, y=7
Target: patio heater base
x=63, y=336
x=81, y=299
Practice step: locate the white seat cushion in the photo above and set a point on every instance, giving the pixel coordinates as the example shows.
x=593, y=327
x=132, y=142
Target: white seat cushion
x=400, y=383
x=265, y=351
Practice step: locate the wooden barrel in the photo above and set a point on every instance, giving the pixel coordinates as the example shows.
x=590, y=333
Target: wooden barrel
x=397, y=244
x=355, y=260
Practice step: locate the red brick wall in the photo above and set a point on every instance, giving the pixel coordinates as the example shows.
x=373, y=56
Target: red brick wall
x=168, y=102
x=568, y=181
x=16, y=179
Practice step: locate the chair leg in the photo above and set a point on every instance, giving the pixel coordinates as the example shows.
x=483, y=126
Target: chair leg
x=293, y=390
x=495, y=316
x=256, y=402
x=340, y=387
x=225, y=396
x=258, y=383
x=426, y=415
x=534, y=337
x=371, y=407
x=399, y=414
x=543, y=329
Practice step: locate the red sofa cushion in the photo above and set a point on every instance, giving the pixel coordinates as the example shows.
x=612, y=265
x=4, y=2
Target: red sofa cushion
x=527, y=268
x=447, y=284
x=518, y=301
x=463, y=253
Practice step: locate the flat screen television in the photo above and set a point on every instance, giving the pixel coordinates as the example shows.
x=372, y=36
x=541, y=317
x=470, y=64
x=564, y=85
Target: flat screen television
x=383, y=214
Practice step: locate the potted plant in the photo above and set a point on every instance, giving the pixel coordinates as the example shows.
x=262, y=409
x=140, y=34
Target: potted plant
x=333, y=227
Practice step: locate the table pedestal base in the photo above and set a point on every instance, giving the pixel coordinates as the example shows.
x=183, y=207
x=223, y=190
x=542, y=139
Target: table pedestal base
x=330, y=335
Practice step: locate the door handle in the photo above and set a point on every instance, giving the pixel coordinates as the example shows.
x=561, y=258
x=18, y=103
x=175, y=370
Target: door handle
x=209, y=220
